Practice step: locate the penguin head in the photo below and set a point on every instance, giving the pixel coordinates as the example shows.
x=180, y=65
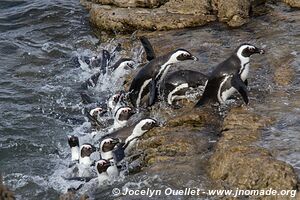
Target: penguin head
x=97, y=112
x=124, y=113
x=102, y=165
x=246, y=50
x=148, y=124
x=123, y=63
x=73, y=141
x=95, y=61
x=182, y=55
x=108, y=144
x=86, y=150
x=127, y=63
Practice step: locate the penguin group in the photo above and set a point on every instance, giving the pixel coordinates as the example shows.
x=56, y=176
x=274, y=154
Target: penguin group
x=118, y=123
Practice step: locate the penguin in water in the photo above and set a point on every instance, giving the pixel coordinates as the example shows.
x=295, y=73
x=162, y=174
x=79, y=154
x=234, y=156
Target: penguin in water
x=82, y=170
x=74, y=145
x=95, y=118
x=102, y=171
x=176, y=84
x=100, y=61
x=148, y=79
x=107, y=146
x=119, y=69
x=230, y=76
x=122, y=116
x=130, y=138
x=85, y=161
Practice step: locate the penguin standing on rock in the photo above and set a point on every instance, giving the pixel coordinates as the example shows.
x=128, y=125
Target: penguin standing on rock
x=148, y=79
x=230, y=76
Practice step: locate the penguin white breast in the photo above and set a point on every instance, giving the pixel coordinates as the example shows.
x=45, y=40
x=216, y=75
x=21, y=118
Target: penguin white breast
x=138, y=101
x=245, y=71
x=224, y=94
x=102, y=178
x=170, y=95
x=112, y=172
x=75, y=153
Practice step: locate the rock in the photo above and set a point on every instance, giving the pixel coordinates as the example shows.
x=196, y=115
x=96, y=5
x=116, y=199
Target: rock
x=5, y=193
x=129, y=20
x=188, y=7
x=178, y=149
x=128, y=16
x=238, y=163
x=132, y=3
x=293, y=3
x=233, y=12
x=284, y=72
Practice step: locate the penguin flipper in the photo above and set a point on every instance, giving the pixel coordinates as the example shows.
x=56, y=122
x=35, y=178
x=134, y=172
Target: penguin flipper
x=240, y=86
x=119, y=153
x=105, y=60
x=246, y=82
x=148, y=48
x=153, y=92
x=85, y=98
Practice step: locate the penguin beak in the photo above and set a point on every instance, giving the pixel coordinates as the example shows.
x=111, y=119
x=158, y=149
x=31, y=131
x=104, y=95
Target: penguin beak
x=156, y=124
x=194, y=58
x=94, y=149
x=261, y=51
x=116, y=140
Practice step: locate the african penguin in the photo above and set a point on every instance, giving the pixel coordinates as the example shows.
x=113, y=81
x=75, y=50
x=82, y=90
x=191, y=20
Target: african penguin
x=118, y=70
x=107, y=146
x=106, y=152
x=101, y=169
x=85, y=161
x=122, y=116
x=176, y=84
x=148, y=79
x=95, y=118
x=74, y=145
x=100, y=61
x=130, y=138
x=230, y=76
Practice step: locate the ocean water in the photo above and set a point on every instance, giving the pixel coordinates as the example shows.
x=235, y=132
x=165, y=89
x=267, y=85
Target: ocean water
x=39, y=40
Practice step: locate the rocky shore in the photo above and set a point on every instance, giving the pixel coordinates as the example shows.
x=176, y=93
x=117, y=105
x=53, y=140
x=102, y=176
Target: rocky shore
x=205, y=147
x=128, y=16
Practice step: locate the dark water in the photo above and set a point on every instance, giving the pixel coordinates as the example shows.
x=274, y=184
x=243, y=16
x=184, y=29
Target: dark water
x=38, y=84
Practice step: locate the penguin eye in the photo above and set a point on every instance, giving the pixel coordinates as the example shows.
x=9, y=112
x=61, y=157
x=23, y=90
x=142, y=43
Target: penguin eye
x=251, y=49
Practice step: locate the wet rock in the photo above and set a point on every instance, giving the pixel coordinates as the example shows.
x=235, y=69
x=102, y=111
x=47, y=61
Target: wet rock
x=284, y=72
x=293, y=3
x=132, y=3
x=237, y=162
